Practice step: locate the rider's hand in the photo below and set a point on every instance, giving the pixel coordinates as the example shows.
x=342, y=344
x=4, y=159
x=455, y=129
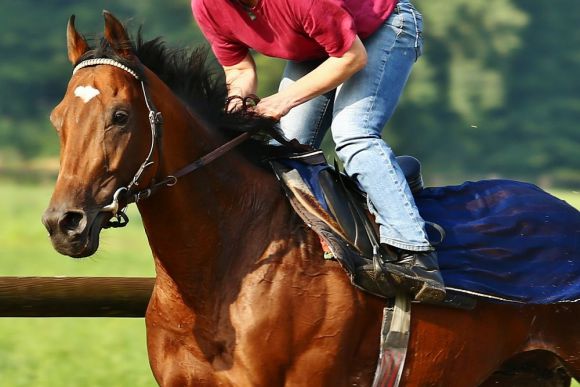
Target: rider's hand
x=275, y=106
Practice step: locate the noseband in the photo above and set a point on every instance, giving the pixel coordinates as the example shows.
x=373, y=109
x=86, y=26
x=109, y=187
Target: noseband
x=130, y=194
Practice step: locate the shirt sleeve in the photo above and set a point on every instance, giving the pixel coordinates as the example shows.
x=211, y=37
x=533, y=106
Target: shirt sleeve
x=227, y=51
x=330, y=24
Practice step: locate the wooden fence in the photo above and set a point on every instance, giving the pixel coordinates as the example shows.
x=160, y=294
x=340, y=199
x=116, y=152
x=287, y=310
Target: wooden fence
x=74, y=296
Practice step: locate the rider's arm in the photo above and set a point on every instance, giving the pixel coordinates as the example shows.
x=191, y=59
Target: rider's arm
x=327, y=76
x=241, y=78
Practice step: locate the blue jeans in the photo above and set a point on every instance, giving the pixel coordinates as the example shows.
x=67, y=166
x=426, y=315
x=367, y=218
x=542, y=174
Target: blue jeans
x=357, y=112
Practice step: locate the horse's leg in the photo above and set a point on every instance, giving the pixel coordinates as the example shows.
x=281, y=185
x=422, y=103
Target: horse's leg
x=346, y=354
x=556, y=329
x=462, y=348
x=534, y=368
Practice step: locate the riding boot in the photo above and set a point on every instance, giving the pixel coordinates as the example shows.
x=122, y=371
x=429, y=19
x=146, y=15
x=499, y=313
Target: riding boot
x=416, y=272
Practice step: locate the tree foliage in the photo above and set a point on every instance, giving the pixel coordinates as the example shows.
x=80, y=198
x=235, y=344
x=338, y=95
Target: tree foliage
x=495, y=93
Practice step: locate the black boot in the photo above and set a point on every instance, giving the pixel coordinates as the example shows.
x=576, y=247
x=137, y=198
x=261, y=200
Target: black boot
x=417, y=272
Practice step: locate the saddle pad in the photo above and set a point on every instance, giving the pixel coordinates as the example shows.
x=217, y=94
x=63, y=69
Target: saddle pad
x=506, y=240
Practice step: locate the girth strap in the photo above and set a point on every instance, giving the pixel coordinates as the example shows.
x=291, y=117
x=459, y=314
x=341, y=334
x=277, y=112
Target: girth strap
x=395, y=333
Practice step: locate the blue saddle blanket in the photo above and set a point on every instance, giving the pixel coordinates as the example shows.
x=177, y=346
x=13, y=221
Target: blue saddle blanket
x=506, y=240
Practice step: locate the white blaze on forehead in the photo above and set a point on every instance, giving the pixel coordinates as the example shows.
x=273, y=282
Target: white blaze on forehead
x=86, y=93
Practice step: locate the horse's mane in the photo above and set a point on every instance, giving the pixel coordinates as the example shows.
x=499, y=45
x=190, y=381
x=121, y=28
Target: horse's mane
x=191, y=76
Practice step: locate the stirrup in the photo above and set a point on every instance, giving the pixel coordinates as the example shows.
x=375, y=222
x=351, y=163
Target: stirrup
x=440, y=230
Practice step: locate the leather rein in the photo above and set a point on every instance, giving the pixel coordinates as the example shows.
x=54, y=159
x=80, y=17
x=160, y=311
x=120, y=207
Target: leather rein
x=130, y=193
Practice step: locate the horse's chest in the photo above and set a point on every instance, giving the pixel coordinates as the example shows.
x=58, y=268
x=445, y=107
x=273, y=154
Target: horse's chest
x=185, y=349
x=188, y=358
x=271, y=333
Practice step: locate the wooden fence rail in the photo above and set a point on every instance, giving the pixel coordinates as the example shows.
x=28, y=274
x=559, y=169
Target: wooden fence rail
x=74, y=296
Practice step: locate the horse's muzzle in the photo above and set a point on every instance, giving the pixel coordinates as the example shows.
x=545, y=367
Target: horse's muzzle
x=73, y=232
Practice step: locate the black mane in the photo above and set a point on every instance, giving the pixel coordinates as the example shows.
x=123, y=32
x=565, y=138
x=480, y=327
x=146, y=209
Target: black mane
x=190, y=75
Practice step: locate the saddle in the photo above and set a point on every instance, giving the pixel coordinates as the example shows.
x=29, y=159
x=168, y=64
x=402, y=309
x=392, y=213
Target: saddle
x=332, y=204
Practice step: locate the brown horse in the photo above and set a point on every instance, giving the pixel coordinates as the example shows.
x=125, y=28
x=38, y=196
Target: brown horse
x=243, y=296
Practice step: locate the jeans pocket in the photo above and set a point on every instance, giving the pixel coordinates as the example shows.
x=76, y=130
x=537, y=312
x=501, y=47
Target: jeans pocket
x=396, y=22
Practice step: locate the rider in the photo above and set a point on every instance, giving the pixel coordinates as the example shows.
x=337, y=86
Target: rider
x=348, y=62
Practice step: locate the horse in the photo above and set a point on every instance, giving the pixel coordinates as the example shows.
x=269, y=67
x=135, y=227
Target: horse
x=243, y=296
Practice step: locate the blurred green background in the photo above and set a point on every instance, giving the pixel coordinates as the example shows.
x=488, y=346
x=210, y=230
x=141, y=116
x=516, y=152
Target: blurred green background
x=496, y=94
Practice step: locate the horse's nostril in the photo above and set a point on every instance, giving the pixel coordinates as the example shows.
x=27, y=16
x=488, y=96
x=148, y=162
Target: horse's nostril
x=70, y=221
x=46, y=221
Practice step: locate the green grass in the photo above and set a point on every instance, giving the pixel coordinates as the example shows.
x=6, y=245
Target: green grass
x=26, y=249
x=76, y=352
x=572, y=197
x=67, y=352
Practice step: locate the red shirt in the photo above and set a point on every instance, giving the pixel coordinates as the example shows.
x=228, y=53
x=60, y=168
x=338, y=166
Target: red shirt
x=289, y=29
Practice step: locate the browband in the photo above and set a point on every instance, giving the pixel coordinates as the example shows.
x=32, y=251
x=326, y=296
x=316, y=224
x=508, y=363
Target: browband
x=104, y=61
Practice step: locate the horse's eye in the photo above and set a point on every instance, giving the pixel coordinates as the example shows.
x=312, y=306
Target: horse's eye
x=120, y=117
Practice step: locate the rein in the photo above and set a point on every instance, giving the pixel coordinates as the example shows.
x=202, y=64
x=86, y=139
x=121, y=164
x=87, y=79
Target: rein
x=129, y=194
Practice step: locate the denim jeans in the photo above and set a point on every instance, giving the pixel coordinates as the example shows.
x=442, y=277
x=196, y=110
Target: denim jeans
x=356, y=112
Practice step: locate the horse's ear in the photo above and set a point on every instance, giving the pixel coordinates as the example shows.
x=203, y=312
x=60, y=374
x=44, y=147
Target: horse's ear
x=116, y=34
x=76, y=44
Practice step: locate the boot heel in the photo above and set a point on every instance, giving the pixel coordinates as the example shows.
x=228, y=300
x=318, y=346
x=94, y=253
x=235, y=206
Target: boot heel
x=418, y=273
x=430, y=294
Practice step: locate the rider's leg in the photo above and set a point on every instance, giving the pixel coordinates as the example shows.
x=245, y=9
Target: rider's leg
x=363, y=104
x=309, y=121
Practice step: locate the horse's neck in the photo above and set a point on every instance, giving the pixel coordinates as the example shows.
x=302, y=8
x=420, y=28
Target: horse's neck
x=208, y=232
x=215, y=223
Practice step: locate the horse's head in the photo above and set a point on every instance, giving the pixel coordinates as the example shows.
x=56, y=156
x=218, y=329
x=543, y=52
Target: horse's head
x=104, y=133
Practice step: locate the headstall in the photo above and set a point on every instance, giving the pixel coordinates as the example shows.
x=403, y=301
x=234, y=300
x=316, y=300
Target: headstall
x=130, y=193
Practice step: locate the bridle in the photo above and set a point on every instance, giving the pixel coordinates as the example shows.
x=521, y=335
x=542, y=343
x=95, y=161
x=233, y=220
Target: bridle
x=124, y=196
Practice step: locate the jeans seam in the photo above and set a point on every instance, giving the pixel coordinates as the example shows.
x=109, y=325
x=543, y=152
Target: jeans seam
x=405, y=245
x=416, y=28
x=318, y=125
x=376, y=91
x=417, y=37
x=378, y=82
x=394, y=179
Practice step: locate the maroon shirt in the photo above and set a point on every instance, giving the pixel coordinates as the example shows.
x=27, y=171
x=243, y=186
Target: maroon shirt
x=289, y=29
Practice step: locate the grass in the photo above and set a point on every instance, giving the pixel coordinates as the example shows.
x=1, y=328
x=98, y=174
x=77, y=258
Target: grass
x=76, y=352
x=572, y=197
x=26, y=249
x=61, y=351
